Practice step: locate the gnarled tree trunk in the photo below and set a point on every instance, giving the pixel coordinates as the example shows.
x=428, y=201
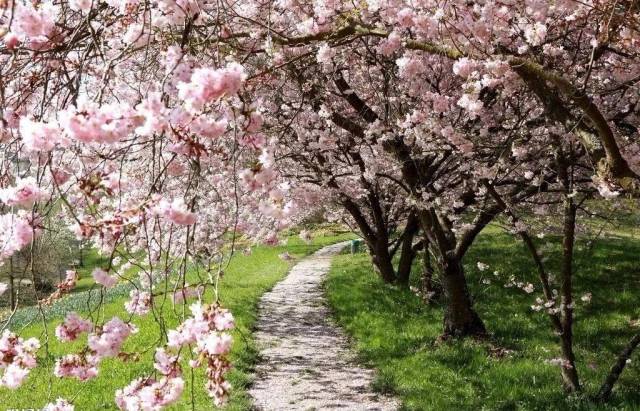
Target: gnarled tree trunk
x=407, y=251
x=382, y=260
x=429, y=290
x=460, y=319
x=569, y=372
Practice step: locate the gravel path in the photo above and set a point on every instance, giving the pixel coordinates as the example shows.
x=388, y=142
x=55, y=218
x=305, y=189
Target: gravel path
x=307, y=363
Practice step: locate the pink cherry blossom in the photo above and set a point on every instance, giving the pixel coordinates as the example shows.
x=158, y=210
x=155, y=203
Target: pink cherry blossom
x=72, y=327
x=215, y=344
x=106, y=124
x=140, y=302
x=32, y=23
x=107, y=340
x=13, y=376
x=167, y=364
x=81, y=366
x=17, y=358
x=15, y=233
x=209, y=128
x=40, y=136
x=10, y=40
x=154, y=113
x=410, y=67
x=325, y=54
x=149, y=394
x=464, y=67
x=212, y=346
x=406, y=17
x=60, y=405
x=25, y=192
x=176, y=212
x=535, y=33
x=208, y=85
x=471, y=103
x=391, y=44
x=63, y=288
x=80, y=5
x=103, y=278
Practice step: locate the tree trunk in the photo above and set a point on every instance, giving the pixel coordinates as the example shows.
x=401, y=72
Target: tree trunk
x=607, y=386
x=404, y=265
x=428, y=288
x=81, y=255
x=569, y=372
x=377, y=242
x=407, y=253
x=460, y=319
x=382, y=261
x=12, y=291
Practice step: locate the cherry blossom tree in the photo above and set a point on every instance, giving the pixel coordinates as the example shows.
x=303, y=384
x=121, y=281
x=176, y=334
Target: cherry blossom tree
x=161, y=129
x=328, y=164
x=354, y=95
x=530, y=74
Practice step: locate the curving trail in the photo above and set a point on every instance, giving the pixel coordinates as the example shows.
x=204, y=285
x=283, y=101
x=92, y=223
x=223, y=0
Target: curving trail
x=307, y=363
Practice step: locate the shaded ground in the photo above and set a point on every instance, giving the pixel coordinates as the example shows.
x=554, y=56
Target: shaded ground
x=307, y=364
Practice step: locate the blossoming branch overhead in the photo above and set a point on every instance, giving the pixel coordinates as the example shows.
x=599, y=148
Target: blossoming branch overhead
x=158, y=131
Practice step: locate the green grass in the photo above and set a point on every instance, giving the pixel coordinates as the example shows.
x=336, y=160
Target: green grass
x=90, y=260
x=395, y=332
x=245, y=280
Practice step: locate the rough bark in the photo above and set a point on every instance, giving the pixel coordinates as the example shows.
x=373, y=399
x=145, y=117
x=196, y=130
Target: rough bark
x=460, y=319
x=407, y=252
x=12, y=291
x=381, y=259
x=569, y=371
x=377, y=242
x=429, y=289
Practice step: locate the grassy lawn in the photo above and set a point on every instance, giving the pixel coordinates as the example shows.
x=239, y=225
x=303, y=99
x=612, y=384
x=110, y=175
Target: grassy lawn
x=245, y=280
x=395, y=333
x=90, y=260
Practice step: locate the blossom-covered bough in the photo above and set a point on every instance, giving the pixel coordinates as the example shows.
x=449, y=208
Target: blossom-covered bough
x=160, y=130
x=123, y=122
x=519, y=97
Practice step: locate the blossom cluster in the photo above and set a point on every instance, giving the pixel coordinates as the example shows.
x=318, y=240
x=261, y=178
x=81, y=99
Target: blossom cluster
x=101, y=277
x=108, y=339
x=206, y=329
x=104, y=342
x=17, y=358
x=60, y=405
x=140, y=303
x=24, y=193
x=72, y=327
x=82, y=366
x=146, y=393
x=16, y=231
